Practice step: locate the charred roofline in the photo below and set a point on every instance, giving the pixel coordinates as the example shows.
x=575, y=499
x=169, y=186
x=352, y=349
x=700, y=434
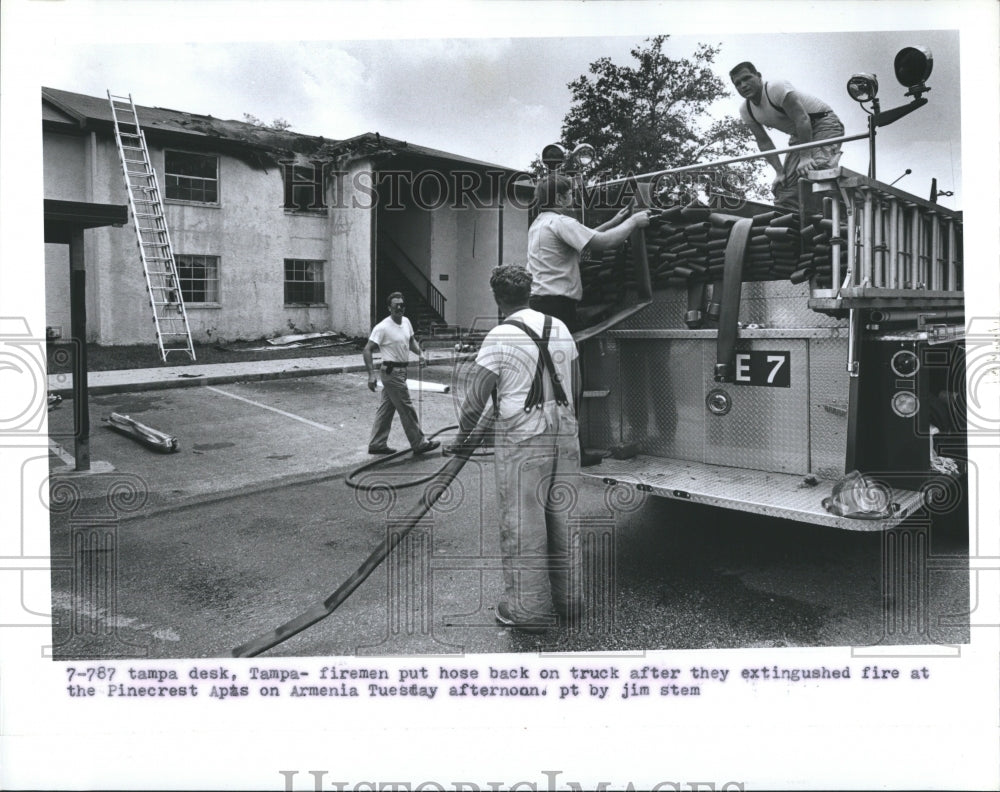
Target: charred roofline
x=210, y=134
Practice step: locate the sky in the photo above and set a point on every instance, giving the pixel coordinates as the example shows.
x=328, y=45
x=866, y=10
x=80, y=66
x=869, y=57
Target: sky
x=501, y=99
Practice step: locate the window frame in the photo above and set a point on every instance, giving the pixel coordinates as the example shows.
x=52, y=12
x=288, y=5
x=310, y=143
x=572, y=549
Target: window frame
x=167, y=176
x=299, y=172
x=322, y=282
x=179, y=262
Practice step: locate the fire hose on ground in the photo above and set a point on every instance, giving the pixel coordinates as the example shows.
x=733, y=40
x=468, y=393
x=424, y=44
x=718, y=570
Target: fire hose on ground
x=463, y=451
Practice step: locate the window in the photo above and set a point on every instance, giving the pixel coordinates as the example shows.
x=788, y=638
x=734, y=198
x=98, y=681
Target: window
x=192, y=177
x=304, y=190
x=304, y=282
x=199, y=278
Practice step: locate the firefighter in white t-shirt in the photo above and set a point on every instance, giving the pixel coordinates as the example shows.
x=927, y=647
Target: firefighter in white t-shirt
x=804, y=118
x=555, y=243
x=394, y=337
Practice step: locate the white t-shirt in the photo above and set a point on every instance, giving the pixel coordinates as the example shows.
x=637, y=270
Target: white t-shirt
x=508, y=352
x=554, y=245
x=393, y=339
x=766, y=113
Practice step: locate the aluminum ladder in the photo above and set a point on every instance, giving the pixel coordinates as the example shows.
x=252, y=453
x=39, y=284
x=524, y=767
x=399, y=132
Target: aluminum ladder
x=896, y=244
x=173, y=334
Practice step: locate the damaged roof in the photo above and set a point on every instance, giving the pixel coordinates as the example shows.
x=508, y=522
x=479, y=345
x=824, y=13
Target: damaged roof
x=264, y=144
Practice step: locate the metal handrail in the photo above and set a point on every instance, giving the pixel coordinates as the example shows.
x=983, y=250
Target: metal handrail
x=412, y=272
x=731, y=160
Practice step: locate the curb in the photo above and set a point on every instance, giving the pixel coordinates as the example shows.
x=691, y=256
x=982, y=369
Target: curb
x=201, y=380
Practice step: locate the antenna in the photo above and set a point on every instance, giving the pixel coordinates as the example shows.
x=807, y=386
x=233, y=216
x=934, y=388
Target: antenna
x=907, y=172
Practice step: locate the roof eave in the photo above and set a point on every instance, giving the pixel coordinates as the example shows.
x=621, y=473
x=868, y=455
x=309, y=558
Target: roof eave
x=64, y=108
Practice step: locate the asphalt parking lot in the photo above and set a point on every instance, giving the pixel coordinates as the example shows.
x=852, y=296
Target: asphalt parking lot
x=251, y=523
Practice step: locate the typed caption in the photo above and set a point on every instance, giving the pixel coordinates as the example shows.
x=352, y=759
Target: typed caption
x=440, y=680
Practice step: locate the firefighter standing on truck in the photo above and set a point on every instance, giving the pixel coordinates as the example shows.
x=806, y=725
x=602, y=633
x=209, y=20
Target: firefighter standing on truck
x=531, y=361
x=799, y=115
x=555, y=242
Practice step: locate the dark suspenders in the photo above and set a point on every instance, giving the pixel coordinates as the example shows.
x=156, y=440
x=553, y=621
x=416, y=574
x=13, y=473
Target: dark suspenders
x=780, y=109
x=536, y=395
x=777, y=108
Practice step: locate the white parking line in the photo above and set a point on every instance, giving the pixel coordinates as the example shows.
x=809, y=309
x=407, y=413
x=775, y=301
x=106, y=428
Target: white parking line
x=272, y=409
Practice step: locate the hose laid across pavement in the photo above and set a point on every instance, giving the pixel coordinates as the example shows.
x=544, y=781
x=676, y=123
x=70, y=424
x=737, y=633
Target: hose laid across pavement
x=321, y=610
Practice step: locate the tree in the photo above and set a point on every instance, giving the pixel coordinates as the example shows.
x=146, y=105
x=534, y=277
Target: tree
x=655, y=115
x=279, y=123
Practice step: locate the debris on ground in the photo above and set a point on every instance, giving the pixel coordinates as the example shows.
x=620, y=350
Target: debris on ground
x=147, y=435
x=293, y=341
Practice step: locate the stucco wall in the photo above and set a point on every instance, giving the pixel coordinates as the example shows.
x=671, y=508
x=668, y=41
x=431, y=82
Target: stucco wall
x=466, y=247
x=479, y=254
x=252, y=234
x=349, y=232
x=249, y=230
x=64, y=169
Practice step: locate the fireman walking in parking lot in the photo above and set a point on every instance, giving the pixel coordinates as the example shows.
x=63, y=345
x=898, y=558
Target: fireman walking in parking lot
x=394, y=337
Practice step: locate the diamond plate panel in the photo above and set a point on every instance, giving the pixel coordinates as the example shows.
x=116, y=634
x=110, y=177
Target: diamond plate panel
x=666, y=310
x=781, y=304
x=601, y=425
x=829, y=384
x=767, y=428
x=766, y=303
x=662, y=400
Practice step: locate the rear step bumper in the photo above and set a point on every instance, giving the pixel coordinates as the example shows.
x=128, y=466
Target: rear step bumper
x=782, y=495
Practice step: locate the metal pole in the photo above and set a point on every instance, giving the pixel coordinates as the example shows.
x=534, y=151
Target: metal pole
x=915, y=248
x=952, y=254
x=835, y=246
x=78, y=323
x=731, y=160
x=935, y=255
x=867, y=241
x=892, y=265
x=850, y=242
x=871, y=141
x=878, y=251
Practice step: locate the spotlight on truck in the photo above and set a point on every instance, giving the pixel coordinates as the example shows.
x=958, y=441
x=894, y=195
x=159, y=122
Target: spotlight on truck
x=553, y=156
x=862, y=87
x=913, y=66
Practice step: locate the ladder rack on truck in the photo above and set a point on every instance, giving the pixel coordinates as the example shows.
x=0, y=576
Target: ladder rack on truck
x=748, y=358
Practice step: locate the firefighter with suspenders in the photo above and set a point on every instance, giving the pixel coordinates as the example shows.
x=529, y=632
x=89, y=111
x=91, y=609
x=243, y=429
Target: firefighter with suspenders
x=530, y=359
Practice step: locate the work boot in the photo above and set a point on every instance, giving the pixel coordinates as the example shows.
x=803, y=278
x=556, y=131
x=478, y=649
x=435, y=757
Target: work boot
x=504, y=617
x=426, y=446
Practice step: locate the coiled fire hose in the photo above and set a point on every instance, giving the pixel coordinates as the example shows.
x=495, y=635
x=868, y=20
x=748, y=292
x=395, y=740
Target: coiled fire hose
x=354, y=481
x=463, y=450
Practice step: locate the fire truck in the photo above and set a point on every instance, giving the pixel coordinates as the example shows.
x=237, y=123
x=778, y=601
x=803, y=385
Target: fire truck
x=802, y=364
